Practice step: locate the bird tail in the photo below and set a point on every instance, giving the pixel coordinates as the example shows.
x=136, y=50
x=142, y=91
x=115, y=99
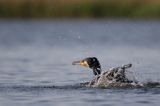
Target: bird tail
x=126, y=66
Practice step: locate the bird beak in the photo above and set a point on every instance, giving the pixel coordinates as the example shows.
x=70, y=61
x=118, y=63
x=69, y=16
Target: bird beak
x=76, y=63
x=81, y=63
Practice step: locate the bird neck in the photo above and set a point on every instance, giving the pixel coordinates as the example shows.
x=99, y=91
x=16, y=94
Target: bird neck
x=96, y=71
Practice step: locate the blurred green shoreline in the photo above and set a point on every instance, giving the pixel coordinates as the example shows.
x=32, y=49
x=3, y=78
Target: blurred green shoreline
x=80, y=9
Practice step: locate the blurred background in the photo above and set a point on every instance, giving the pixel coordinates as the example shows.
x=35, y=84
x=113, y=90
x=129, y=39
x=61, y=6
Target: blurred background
x=79, y=8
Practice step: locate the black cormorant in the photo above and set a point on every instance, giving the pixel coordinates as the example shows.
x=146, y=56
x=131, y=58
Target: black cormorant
x=117, y=74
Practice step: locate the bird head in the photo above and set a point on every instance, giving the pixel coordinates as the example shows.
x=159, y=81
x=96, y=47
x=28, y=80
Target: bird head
x=91, y=62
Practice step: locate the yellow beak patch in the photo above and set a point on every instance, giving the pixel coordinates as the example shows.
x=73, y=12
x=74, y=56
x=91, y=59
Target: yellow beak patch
x=84, y=63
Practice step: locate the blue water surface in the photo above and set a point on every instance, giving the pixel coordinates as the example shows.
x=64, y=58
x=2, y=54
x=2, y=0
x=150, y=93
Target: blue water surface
x=36, y=57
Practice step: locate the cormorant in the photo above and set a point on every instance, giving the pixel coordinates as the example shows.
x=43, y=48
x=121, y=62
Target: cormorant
x=117, y=74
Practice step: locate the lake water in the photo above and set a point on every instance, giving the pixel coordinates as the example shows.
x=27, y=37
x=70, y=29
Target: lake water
x=36, y=57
